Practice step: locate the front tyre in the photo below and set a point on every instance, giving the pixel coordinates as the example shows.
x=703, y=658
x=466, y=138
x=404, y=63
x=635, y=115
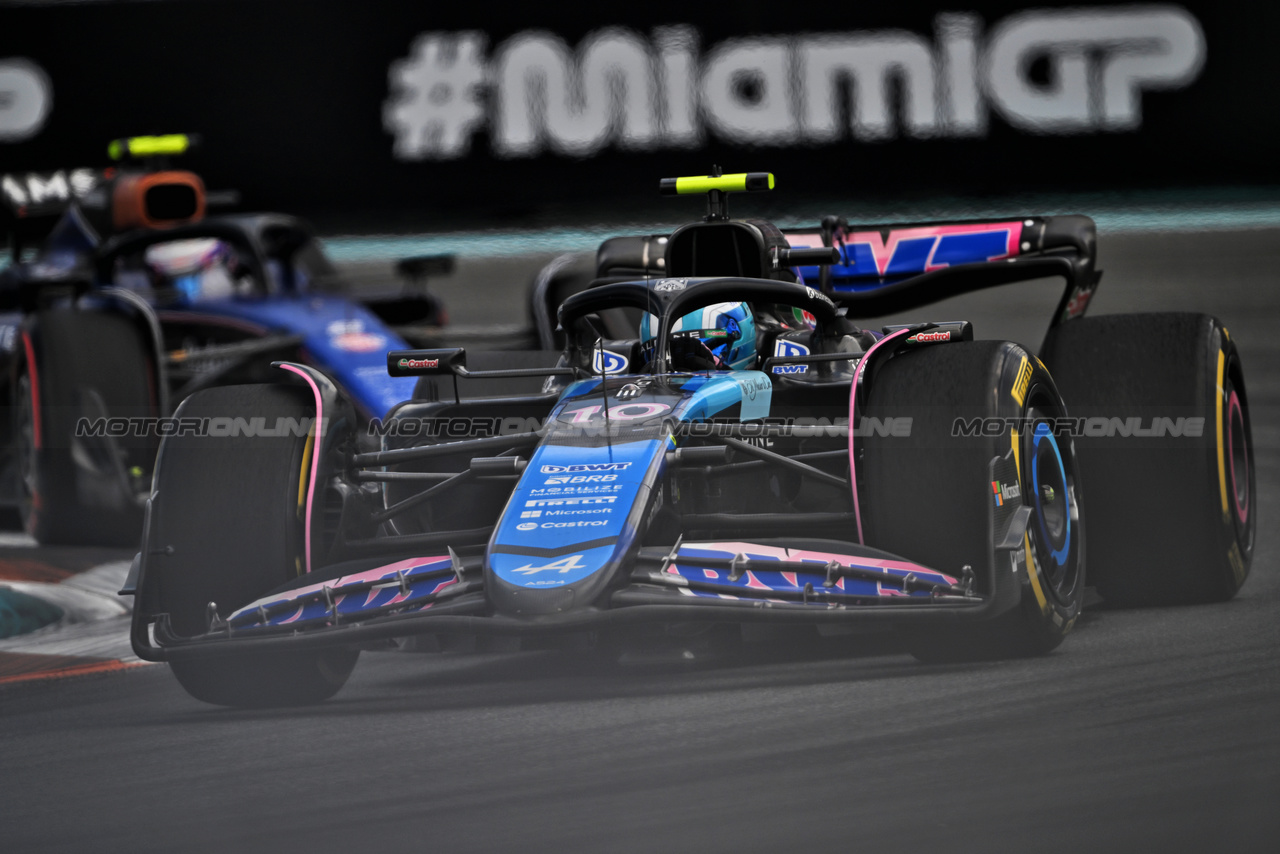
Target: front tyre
x=929, y=494
x=228, y=525
x=82, y=366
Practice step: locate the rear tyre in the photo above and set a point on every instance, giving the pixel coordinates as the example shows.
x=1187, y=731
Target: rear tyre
x=1172, y=515
x=228, y=526
x=927, y=495
x=82, y=364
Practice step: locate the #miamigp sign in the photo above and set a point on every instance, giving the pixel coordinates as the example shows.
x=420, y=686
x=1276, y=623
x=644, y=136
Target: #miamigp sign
x=401, y=106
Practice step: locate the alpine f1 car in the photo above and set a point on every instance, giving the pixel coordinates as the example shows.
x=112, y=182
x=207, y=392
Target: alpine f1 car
x=719, y=443
x=122, y=298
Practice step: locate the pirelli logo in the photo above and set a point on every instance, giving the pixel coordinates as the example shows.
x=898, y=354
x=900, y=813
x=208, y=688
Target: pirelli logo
x=1024, y=379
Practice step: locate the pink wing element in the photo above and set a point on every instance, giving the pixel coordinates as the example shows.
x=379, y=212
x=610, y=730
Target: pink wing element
x=821, y=558
x=853, y=400
x=883, y=252
x=315, y=459
x=381, y=573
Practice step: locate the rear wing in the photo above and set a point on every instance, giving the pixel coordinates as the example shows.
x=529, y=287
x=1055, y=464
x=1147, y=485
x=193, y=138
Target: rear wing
x=892, y=268
x=886, y=269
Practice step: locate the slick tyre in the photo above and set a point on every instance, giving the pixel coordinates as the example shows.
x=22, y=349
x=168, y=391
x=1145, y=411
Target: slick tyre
x=227, y=526
x=930, y=496
x=79, y=364
x=1167, y=451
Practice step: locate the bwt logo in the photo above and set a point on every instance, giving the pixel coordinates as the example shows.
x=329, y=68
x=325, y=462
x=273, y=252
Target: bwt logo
x=1045, y=71
x=585, y=467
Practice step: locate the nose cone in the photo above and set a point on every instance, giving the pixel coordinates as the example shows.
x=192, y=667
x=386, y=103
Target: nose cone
x=570, y=525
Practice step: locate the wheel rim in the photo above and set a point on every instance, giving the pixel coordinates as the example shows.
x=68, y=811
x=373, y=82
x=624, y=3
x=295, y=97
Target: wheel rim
x=1048, y=476
x=1049, y=493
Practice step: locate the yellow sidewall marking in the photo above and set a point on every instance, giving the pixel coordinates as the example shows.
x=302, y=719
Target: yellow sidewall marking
x=1017, y=456
x=1222, y=467
x=1237, y=563
x=306, y=467
x=1034, y=575
x=1022, y=381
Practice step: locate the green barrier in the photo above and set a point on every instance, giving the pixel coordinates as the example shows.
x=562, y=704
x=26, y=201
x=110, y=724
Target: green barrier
x=20, y=613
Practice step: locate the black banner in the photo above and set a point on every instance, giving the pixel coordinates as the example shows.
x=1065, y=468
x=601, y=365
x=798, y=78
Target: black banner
x=441, y=113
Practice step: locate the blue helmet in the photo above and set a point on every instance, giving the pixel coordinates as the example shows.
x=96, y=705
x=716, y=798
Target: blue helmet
x=726, y=329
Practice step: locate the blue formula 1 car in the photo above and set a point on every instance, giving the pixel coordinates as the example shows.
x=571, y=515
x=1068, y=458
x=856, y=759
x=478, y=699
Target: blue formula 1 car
x=718, y=443
x=123, y=298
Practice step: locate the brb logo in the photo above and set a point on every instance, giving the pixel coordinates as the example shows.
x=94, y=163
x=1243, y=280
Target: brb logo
x=535, y=94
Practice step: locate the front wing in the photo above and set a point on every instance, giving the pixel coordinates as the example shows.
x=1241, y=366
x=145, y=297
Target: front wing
x=713, y=581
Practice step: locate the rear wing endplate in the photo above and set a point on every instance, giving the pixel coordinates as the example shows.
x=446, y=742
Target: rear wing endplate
x=893, y=268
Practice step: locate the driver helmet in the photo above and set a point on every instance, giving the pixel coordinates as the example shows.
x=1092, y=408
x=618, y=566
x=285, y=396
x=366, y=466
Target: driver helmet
x=727, y=330
x=197, y=269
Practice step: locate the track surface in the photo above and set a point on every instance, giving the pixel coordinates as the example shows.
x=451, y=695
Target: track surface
x=1147, y=730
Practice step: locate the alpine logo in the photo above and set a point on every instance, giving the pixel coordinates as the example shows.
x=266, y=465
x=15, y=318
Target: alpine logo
x=549, y=469
x=608, y=362
x=789, y=349
x=561, y=566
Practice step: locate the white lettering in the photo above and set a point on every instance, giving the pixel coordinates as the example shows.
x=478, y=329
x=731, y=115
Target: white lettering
x=619, y=88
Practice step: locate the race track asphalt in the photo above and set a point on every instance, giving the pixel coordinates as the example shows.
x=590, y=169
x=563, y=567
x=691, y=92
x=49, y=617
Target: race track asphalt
x=1148, y=730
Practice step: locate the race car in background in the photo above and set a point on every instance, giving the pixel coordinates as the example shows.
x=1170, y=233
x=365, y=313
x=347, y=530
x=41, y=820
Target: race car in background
x=122, y=297
x=719, y=443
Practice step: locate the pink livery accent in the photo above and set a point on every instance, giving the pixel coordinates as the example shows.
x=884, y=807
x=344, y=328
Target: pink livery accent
x=819, y=558
x=784, y=553
x=315, y=459
x=37, y=437
x=382, y=573
x=883, y=252
x=853, y=422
